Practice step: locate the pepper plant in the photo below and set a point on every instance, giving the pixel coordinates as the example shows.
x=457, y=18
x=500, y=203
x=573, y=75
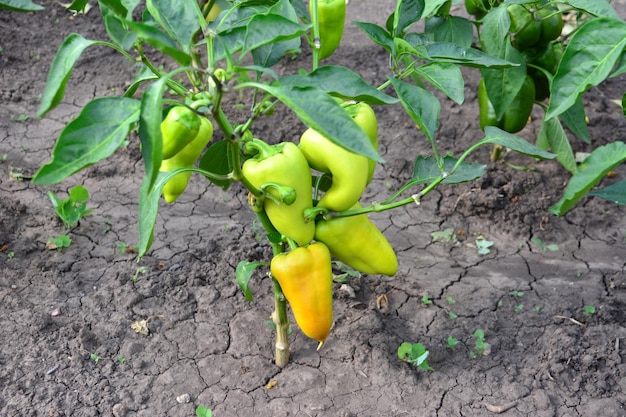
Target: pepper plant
x=225, y=48
x=555, y=67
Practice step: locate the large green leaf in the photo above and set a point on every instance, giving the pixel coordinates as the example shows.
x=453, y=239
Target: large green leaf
x=179, y=18
x=268, y=28
x=514, y=143
x=160, y=41
x=494, y=33
x=615, y=193
x=454, y=29
x=321, y=112
x=421, y=105
x=594, y=7
x=407, y=12
x=592, y=170
x=504, y=84
x=575, y=120
x=150, y=120
x=552, y=136
x=341, y=81
x=20, y=6
x=446, y=78
x=426, y=170
x=378, y=35
x=469, y=57
x=94, y=135
x=215, y=160
x=149, y=198
x=61, y=69
x=587, y=61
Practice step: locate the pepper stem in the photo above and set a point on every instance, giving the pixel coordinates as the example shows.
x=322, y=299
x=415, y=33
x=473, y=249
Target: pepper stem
x=261, y=149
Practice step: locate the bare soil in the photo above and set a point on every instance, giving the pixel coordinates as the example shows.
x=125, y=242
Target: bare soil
x=60, y=310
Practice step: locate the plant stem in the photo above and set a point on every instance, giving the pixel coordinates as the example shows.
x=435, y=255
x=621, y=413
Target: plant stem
x=279, y=316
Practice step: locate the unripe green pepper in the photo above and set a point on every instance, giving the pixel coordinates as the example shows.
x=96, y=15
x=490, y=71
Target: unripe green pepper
x=364, y=116
x=552, y=26
x=479, y=8
x=349, y=170
x=306, y=279
x=285, y=165
x=331, y=15
x=185, y=158
x=548, y=58
x=179, y=127
x=358, y=243
x=525, y=28
x=516, y=116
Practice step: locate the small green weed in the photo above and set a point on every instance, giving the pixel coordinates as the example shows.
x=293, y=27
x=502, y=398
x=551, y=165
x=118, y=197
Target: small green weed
x=451, y=342
x=73, y=208
x=444, y=236
x=60, y=242
x=483, y=245
x=415, y=354
x=426, y=301
x=202, y=411
x=480, y=346
x=140, y=270
x=452, y=315
x=589, y=310
x=450, y=300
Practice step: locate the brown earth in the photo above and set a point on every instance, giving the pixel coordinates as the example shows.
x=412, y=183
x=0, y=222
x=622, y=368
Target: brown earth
x=60, y=308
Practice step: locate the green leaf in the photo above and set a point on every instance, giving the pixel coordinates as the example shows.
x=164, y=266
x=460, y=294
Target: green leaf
x=321, y=112
x=160, y=41
x=407, y=13
x=61, y=69
x=79, y=194
x=265, y=29
x=215, y=160
x=117, y=29
x=122, y=8
x=446, y=78
x=149, y=197
x=469, y=57
x=575, y=120
x=453, y=29
x=494, y=33
x=150, y=120
x=594, y=7
x=504, y=84
x=95, y=134
x=179, y=18
x=20, y=6
x=378, y=35
x=145, y=74
x=426, y=170
x=421, y=105
x=515, y=143
x=551, y=133
x=615, y=193
x=587, y=61
x=592, y=170
x=243, y=273
x=404, y=350
x=340, y=81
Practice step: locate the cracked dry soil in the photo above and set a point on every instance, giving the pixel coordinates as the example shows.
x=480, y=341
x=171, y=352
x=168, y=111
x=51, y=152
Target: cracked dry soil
x=206, y=345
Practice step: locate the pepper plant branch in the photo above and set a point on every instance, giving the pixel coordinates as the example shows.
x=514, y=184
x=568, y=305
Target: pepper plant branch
x=316, y=34
x=279, y=316
x=177, y=87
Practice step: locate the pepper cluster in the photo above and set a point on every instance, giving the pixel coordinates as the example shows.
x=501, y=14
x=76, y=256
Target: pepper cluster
x=185, y=135
x=284, y=173
x=533, y=30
